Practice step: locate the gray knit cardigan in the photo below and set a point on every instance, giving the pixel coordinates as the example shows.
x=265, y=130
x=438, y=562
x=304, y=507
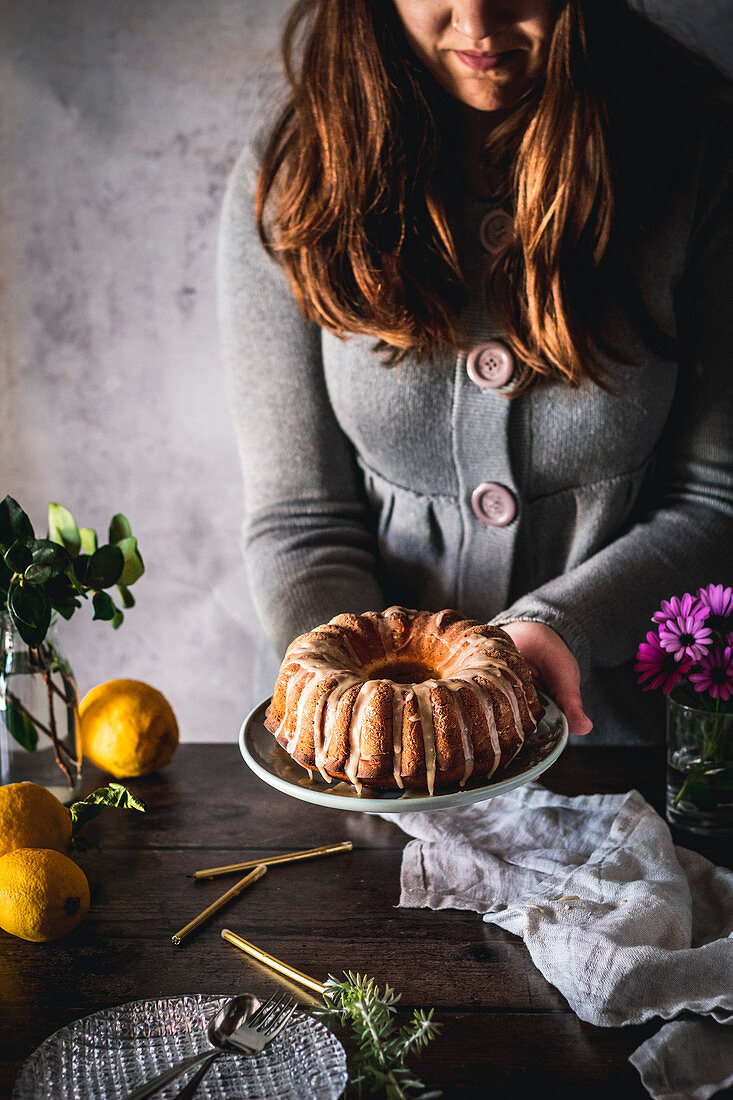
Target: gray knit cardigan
x=360, y=480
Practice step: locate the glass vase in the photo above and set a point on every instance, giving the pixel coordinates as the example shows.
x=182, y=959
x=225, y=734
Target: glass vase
x=39, y=714
x=700, y=766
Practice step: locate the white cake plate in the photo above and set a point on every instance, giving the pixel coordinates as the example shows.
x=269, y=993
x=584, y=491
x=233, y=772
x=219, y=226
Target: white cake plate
x=272, y=764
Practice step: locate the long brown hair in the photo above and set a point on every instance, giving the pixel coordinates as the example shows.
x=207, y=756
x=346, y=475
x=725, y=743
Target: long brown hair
x=357, y=191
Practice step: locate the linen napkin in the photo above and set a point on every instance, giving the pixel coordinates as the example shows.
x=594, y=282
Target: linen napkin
x=624, y=923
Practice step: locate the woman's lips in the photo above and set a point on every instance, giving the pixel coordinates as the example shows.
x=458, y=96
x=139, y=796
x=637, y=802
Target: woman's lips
x=482, y=62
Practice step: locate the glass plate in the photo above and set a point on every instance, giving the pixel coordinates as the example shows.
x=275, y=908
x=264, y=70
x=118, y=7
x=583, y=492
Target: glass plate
x=111, y=1053
x=270, y=762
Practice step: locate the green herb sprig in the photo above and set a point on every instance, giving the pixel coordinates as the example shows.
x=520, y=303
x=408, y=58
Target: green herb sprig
x=383, y=1047
x=41, y=575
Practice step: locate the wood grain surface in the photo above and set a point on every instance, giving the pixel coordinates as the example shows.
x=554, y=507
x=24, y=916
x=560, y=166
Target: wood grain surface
x=504, y=1027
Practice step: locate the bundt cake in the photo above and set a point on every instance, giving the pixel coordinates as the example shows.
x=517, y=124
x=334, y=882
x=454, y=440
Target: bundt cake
x=403, y=698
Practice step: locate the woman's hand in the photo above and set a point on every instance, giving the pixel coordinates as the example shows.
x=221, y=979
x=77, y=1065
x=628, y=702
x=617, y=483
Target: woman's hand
x=552, y=662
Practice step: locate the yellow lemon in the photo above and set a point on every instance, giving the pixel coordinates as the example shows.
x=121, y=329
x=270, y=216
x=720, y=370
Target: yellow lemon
x=32, y=817
x=128, y=728
x=43, y=894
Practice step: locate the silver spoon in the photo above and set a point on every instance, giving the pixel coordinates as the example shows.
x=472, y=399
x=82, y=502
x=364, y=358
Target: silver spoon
x=230, y=1016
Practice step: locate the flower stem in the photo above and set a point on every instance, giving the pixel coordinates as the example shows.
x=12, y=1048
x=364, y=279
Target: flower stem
x=46, y=673
x=680, y=793
x=40, y=659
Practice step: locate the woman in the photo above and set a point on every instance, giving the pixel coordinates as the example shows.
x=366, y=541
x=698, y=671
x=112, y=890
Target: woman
x=483, y=358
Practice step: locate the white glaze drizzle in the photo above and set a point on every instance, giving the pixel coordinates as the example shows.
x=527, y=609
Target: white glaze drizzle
x=487, y=709
x=478, y=660
x=468, y=675
x=294, y=680
x=344, y=681
x=425, y=709
x=323, y=652
x=309, y=688
x=362, y=701
x=400, y=612
x=439, y=619
x=474, y=655
x=351, y=652
x=319, y=741
x=454, y=687
x=400, y=694
x=474, y=646
x=386, y=635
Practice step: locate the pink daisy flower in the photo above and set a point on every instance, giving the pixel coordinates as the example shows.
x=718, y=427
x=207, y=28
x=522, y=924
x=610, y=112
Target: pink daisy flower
x=659, y=667
x=686, y=636
x=720, y=602
x=675, y=608
x=715, y=674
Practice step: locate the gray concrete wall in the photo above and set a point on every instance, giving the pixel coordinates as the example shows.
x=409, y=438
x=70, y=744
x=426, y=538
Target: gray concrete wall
x=120, y=122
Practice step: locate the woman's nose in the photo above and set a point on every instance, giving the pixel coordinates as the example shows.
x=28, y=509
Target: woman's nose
x=477, y=19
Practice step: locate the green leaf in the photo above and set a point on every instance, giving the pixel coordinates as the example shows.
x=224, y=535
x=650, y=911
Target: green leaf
x=104, y=607
x=88, y=539
x=30, y=610
x=128, y=600
x=62, y=529
x=48, y=560
x=17, y=557
x=81, y=568
x=15, y=525
x=114, y=794
x=20, y=727
x=38, y=574
x=65, y=610
x=700, y=794
x=62, y=594
x=5, y=577
x=105, y=567
x=119, y=528
x=133, y=568
x=117, y=619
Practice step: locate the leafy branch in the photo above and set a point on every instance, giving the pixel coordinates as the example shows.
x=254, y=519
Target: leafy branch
x=43, y=576
x=383, y=1047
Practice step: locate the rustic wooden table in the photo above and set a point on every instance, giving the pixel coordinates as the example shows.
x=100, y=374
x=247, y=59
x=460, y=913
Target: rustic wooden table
x=504, y=1028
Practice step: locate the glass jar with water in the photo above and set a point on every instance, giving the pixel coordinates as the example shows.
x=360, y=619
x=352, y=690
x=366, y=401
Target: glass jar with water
x=39, y=714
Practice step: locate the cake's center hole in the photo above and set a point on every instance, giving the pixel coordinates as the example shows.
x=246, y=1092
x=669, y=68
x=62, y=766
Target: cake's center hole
x=403, y=672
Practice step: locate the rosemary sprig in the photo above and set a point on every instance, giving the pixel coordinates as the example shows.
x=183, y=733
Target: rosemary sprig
x=383, y=1047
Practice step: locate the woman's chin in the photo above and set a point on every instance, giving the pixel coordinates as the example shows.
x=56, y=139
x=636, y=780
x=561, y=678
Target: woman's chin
x=488, y=104
x=489, y=91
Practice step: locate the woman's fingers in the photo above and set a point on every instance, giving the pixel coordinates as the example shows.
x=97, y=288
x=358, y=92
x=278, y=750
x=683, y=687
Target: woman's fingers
x=553, y=663
x=571, y=705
